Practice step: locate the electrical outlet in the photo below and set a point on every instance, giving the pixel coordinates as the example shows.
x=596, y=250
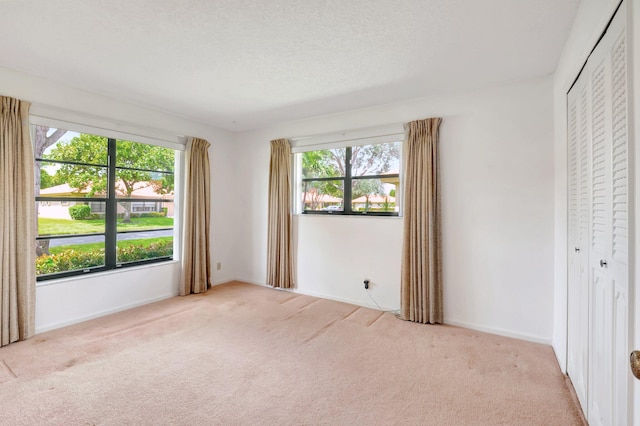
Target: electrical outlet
x=366, y=284
x=218, y=266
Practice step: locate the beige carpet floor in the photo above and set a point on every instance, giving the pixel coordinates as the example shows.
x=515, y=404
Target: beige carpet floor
x=247, y=355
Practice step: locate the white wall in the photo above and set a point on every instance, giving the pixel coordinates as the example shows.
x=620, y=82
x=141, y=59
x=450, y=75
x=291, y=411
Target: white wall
x=591, y=19
x=336, y=254
x=497, y=183
x=71, y=300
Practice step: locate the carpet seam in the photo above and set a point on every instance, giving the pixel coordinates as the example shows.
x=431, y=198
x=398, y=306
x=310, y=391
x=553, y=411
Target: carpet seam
x=8, y=369
x=143, y=323
x=377, y=318
x=351, y=313
x=309, y=304
x=289, y=299
x=319, y=332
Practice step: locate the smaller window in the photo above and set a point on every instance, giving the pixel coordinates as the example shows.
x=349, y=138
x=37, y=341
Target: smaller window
x=363, y=180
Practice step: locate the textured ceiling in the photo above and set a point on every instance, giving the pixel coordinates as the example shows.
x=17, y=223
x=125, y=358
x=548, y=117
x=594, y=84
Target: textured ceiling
x=243, y=64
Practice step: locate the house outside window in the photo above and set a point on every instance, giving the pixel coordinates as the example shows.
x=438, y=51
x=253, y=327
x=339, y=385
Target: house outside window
x=102, y=203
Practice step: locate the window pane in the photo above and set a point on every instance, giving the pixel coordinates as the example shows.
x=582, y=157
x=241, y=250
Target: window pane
x=133, y=247
x=144, y=215
x=72, y=165
x=137, y=184
x=67, y=180
x=142, y=156
x=65, y=145
x=372, y=195
x=56, y=217
x=323, y=195
x=326, y=163
x=69, y=254
x=378, y=159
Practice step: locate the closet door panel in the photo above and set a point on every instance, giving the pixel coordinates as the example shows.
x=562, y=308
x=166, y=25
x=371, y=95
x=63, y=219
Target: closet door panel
x=584, y=230
x=579, y=202
x=620, y=154
x=600, y=151
x=584, y=202
x=600, y=359
x=573, y=256
x=608, y=347
x=601, y=288
x=619, y=268
x=620, y=355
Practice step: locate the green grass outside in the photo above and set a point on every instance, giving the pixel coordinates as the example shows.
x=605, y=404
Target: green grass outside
x=48, y=226
x=144, y=242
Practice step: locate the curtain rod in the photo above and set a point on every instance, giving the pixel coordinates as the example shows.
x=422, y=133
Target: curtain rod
x=353, y=134
x=333, y=141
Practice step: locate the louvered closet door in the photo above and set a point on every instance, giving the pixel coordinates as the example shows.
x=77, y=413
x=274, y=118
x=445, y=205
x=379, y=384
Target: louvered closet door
x=620, y=224
x=608, y=378
x=600, y=353
x=573, y=237
x=584, y=124
x=579, y=203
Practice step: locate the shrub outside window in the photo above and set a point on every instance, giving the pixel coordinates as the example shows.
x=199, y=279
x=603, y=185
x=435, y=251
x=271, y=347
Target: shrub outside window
x=101, y=203
x=353, y=180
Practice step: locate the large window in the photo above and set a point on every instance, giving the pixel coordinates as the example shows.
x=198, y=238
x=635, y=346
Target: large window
x=362, y=180
x=101, y=203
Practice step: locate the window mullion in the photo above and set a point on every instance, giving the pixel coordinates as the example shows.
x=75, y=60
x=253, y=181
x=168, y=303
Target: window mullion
x=111, y=222
x=347, y=182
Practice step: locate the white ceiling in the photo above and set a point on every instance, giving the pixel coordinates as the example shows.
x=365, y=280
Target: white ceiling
x=243, y=64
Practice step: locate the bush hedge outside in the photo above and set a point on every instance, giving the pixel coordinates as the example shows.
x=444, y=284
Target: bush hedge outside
x=70, y=260
x=80, y=212
x=83, y=212
x=131, y=253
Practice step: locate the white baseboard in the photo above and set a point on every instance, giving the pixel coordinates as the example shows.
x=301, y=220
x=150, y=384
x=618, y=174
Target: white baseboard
x=369, y=305
x=499, y=332
x=49, y=327
x=463, y=324
x=217, y=283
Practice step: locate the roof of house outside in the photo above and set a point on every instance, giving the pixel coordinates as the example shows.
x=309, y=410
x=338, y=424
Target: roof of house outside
x=321, y=198
x=141, y=190
x=375, y=199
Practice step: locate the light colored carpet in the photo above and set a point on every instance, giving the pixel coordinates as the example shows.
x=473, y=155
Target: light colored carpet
x=246, y=355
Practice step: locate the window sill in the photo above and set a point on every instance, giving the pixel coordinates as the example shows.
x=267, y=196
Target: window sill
x=349, y=215
x=55, y=281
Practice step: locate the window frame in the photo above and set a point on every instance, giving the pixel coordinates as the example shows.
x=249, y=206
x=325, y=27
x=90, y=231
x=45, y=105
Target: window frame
x=110, y=201
x=348, y=181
